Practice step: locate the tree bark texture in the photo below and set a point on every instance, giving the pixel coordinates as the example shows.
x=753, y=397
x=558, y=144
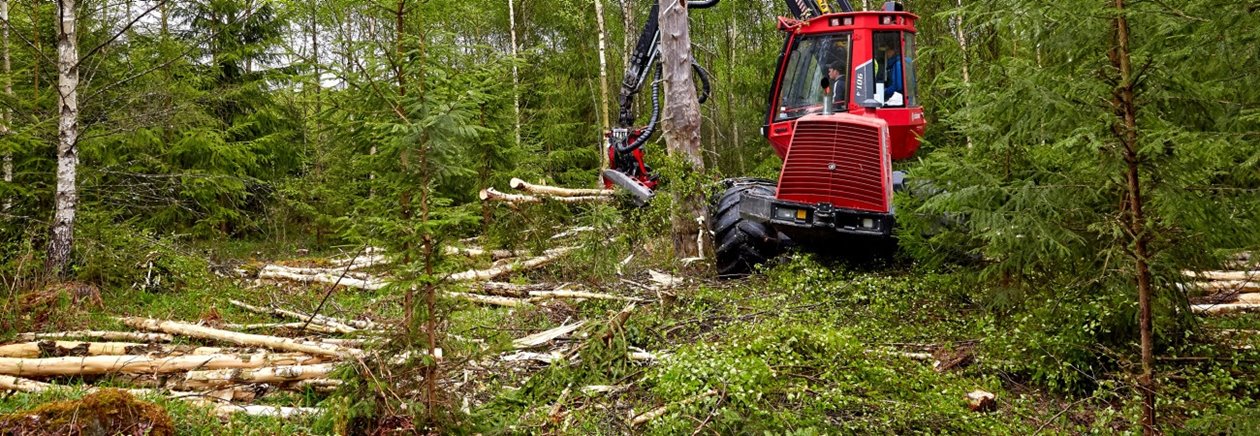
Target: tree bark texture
x=682, y=126
x=8, y=91
x=603, y=80
x=516, y=94
x=67, y=196
x=1127, y=130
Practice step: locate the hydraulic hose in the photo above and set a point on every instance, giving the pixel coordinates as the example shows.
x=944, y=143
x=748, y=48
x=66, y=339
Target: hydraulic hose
x=651, y=125
x=704, y=81
x=701, y=4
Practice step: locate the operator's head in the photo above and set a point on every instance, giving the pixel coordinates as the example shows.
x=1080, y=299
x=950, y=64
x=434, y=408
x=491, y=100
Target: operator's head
x=834, y=70
x=887, y=49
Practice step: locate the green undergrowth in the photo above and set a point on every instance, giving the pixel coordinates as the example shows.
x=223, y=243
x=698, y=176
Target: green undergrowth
x=810, y=345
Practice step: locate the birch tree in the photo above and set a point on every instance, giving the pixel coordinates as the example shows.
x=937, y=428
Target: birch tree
x=603, y=78
x=8, y=92
x=682, y=128
x=66, y=200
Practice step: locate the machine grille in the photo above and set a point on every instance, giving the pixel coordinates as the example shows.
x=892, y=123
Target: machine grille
x=835, y=162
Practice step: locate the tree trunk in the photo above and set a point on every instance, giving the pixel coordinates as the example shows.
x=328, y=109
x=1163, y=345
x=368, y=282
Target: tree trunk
x=682, y=127
x=603, y=81
x=627, y=21
x=67, y=197
x=961, y=34
x=8, y=92
x=516, y=94
x=1124, y=100
x=39, y=48
x=732, y=35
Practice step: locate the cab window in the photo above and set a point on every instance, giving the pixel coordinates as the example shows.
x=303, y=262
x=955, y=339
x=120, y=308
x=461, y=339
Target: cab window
x=890, y=66
x=815, y=61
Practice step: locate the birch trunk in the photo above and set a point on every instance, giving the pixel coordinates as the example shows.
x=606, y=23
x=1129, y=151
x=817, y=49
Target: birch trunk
x=67, y=197
x=516, y=94
x=8, y=91
x=682, y=126
x=603, y=80
x=961, y=35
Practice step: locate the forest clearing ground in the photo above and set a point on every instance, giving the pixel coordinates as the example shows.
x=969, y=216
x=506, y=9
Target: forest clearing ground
x=803, y=345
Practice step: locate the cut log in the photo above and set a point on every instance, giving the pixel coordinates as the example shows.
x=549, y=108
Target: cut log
x=219, y=378
x=487, y=274
x=981, y=401
x=268, y=272
x=504, y=289
x=662, y=280
x=1224, y=275
x=246, y=339
x=657, y=412
x=344, y=326
x=65, y=348
x=480, y=252
x=1218, y=309
x=489, y=299
x=490, y=194
x=545, y=295
x=19, y=384
x=72, y=348
x=362, y=262
x=572, y=232
x=318, y=384
x=546, y=336
x=335, y=272
x=1239, y=286
x=95, y=365
x=522, y=185
x=522, y=356
x=11, y=383
x=103, y=335
x=314, y=327
x=1249, y=298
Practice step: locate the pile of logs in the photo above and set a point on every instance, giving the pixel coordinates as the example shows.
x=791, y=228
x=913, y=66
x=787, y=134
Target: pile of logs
x=481, y=288
x=538, y=193
x=1227, y=291
x=226, y=378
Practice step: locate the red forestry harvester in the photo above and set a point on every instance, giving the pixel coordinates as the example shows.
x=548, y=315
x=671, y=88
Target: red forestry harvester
x=842, y=107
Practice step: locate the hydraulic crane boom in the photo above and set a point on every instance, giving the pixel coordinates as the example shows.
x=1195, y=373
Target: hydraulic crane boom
x=625, y=154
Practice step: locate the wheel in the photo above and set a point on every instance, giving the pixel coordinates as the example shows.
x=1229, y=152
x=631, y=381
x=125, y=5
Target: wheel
x=742, y=244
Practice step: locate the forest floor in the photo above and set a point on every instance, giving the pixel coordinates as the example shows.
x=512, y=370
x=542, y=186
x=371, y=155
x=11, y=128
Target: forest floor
x=808, y=346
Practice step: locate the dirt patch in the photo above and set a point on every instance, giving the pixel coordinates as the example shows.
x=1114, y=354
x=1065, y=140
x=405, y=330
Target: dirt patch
x=105, y=412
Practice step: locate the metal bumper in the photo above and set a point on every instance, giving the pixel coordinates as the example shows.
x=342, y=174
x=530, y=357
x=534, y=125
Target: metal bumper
x=789, y=215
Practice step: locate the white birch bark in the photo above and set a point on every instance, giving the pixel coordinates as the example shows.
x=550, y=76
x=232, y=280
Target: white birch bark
x=8, y=91
x=603, y=80
x=516, y=94
x=67, y=197
x=961, y=34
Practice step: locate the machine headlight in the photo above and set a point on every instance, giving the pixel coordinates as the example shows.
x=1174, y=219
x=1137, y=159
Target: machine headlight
x=784, y=213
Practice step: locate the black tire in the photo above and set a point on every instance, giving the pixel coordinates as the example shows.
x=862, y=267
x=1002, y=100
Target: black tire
x=740, y=244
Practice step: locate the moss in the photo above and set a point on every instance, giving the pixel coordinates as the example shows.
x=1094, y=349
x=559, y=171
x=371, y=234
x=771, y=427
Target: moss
x=104, y=412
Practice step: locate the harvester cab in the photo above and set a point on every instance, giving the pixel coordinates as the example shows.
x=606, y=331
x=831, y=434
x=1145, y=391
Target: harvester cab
x=842, y=107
